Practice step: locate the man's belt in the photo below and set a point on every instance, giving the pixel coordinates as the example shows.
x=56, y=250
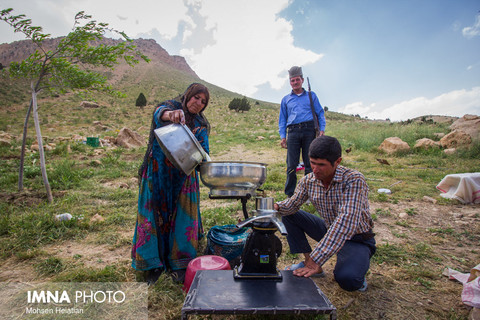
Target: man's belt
x=307, y=124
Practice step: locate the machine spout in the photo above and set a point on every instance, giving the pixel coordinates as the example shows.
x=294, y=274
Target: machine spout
x=280, y=226
x=273, y=218
x=244, y=223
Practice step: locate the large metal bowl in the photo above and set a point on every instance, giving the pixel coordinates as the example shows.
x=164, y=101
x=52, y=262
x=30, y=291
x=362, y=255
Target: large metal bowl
x=180, y=146
x=232, y=178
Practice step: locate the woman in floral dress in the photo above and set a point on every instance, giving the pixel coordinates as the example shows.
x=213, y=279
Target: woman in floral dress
x=169, y=225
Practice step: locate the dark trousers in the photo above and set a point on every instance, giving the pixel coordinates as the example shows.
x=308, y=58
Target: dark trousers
x=353, y=259
x=299, y=138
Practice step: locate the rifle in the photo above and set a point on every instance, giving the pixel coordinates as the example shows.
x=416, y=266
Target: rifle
x=314, y=114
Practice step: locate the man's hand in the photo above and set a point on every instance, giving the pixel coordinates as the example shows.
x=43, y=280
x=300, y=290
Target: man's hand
x=310, y=269
x=283, y=143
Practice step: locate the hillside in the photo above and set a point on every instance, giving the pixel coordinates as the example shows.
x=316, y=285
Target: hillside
x=165, y=76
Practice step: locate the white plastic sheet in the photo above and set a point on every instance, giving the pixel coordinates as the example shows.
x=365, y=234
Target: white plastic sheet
x=471, y=285
x=464, y=187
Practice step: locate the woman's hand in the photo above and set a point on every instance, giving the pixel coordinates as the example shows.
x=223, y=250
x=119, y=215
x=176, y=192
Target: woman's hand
x=175, y=116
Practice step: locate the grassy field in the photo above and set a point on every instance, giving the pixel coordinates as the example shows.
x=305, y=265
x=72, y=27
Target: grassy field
x=98, y=187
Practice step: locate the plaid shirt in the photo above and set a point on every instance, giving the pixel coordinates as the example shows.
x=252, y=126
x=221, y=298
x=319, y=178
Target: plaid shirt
x=343, y=206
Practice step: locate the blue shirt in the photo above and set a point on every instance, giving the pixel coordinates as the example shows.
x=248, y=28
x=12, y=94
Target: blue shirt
x=296, y=109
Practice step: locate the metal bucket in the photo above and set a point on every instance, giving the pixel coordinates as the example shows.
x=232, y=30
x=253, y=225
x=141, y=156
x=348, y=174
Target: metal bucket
x=180, y=146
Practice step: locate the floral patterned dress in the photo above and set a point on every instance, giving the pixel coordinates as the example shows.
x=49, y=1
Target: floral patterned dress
x=168, y=225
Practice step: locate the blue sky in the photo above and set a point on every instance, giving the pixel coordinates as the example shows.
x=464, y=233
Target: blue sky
x=379, y=59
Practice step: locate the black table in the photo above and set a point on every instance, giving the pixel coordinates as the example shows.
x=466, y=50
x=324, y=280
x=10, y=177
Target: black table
x=217, y=292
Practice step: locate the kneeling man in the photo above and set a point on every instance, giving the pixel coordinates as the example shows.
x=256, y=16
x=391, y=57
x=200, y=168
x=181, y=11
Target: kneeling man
x=340, y=196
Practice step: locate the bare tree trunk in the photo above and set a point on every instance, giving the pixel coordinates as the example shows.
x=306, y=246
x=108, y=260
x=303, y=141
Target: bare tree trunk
x=40, y=146
x=24, y=142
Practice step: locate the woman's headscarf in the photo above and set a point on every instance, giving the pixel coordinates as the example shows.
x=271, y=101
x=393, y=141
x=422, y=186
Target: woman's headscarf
x=192, y=90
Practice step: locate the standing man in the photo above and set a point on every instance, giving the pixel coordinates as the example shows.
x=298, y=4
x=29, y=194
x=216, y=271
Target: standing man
x=296, y=119
x=344, y=228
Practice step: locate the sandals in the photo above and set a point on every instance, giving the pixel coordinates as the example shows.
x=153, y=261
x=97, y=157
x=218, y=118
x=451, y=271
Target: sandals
x=302, y=265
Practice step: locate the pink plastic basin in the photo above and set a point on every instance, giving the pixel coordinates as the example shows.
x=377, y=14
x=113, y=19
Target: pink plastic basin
x=208, y=262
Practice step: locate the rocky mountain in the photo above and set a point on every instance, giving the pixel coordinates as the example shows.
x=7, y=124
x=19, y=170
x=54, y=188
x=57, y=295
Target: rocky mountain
x=19, y=50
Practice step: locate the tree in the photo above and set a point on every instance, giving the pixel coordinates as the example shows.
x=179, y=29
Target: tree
x=244, y=104
x=141, y=100
x=71, y=65
x=238, y=104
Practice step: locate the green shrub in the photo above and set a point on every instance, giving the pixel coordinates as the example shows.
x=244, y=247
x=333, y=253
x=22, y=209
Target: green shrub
x=141, y=100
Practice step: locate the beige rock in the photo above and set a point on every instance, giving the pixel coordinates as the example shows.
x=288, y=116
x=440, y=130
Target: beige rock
x=77, y=137
x=5, y=142
x=4, y=135
x=429, y=199
x=403, y=215
x=439, y=135
x=96, y=162
x=100, y=126
x=97, y=218
x=450, y=151
x=425, y=143
x=128, y=138
x=455, y=139
x=469, y=124
x=88, y=104
x=109, y=139
x=394, y=144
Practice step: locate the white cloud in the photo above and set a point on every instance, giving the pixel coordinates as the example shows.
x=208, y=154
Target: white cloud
x=473, y=31
x=133, y=17
x=141, y=16
x=238, y=45
x=455, y=103
x=251, y=45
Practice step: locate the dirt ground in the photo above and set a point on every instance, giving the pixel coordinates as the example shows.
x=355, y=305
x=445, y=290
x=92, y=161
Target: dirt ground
x=391, y=294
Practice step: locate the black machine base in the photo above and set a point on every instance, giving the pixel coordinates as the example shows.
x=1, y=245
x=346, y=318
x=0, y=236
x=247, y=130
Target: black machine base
x=259, y=256
x=239, y=275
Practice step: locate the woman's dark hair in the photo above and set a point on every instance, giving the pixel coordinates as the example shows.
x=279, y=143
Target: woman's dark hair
x=325, y=147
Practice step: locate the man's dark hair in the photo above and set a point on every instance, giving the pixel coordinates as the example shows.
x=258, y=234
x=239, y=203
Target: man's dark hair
x=325, y=147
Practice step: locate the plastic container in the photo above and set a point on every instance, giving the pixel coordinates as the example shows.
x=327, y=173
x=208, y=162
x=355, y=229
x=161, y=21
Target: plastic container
x=93, y=141
x=207, y=262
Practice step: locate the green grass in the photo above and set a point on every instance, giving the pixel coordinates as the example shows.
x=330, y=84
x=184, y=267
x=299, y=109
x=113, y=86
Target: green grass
x=86, y=184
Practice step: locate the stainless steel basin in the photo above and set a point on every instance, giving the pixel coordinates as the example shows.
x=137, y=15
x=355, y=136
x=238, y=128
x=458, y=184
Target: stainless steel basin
x=232, y=178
